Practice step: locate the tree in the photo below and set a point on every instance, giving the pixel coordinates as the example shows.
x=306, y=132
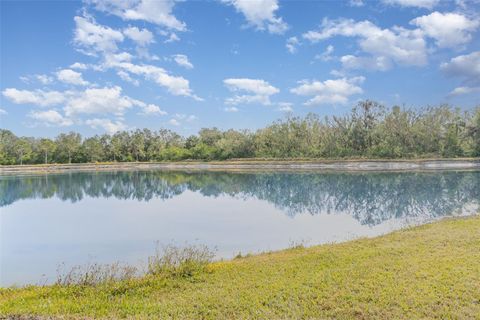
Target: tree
x=23, y=148
x=7, y=147
x=93, y=149
x=137, y=144
x=473, y=132
x=47, y=146
x=68, y=144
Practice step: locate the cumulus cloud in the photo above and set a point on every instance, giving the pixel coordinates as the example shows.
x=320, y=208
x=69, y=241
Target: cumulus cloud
x=93, y=38
x=260, y=14
x=153, y=110
x=326, y=55
x=50, y=118
x=335, y=91
x=448, y=29
x=174, y=122
x=285, y=107
x=106, y=124
x=153, y=11
x=126, y=77
x=142, y=37
x=79, y=66
x=71, y=77
x=171, y=36
x=427, y=4
x=108, y=100
x=230, y=109
x=399, y=45
x=182, y=60
x=42, y=78
x=373, y=63
x=257, y=91
x=37, y=97
x=292, y=44
x=176, y=85
x=467, y=68
x=356, y=3
x=464, y=90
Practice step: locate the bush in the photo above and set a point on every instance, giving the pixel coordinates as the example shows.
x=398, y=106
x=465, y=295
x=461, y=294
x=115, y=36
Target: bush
x=184, y=262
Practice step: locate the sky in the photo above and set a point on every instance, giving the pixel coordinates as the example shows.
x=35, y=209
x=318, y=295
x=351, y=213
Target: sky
x=100, y=66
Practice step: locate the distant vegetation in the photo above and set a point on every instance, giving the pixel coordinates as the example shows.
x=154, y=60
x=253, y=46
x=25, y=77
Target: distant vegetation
x=370, y=130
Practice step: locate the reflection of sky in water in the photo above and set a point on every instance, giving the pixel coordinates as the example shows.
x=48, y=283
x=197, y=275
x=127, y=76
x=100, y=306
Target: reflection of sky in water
x=100, y=218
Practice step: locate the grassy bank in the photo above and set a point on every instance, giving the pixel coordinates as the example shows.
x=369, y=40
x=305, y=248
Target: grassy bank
x=431, y=271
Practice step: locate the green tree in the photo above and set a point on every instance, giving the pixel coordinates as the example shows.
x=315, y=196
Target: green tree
x=68, y=144
x=23, y=149
x=93, y=149
x=47, y=146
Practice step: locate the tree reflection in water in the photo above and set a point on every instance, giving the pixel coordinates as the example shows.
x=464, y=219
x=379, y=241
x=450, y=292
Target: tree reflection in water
x=371, y=198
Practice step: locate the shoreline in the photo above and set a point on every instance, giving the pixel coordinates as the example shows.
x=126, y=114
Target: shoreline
x=255, y=164
x=418, y=268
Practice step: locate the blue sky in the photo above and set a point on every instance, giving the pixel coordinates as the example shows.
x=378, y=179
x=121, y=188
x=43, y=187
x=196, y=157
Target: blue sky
x=101, y=66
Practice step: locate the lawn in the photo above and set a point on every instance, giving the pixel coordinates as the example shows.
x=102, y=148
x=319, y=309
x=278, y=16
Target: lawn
x=426, y=272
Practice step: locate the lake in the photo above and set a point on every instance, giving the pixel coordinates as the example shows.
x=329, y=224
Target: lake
x=84, y=217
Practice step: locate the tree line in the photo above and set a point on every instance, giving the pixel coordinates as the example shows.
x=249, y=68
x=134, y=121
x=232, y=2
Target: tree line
x=370, y=130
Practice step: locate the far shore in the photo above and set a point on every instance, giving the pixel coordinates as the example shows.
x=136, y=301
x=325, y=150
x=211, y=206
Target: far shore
x=257, y=164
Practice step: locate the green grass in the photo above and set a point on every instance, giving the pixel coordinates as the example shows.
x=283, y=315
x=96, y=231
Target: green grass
x=427, y=272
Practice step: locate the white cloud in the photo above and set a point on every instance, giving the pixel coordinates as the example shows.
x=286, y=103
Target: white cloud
x=176, y=85
x=292, y=44
x=185, y=117
x=151, y=109
x=258, y=91
x=42, y=78
x=37, y=97
x=356, y=3
x=427, y=4
x=107, y=100
x=92, y=37
x=182, y=60
x=230, y=109
x=142, y=37
x=100, y=101
x=71, y=77
x=174, y=122
x=448, y=29
x=106, y=124
x=126, y=77
x=464, y=90
x=172, y=36
x=261, y=14
x=373, y=63
x=467, y=68
x=326, y=55
x=50, y=118
x=79, y=66
x=153, y=11
x=335, y=91
x=399, y=45
x=3, y=112
x=285, y=107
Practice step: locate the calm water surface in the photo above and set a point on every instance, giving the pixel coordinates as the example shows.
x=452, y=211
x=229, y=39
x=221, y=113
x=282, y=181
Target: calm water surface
x=77, y=218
